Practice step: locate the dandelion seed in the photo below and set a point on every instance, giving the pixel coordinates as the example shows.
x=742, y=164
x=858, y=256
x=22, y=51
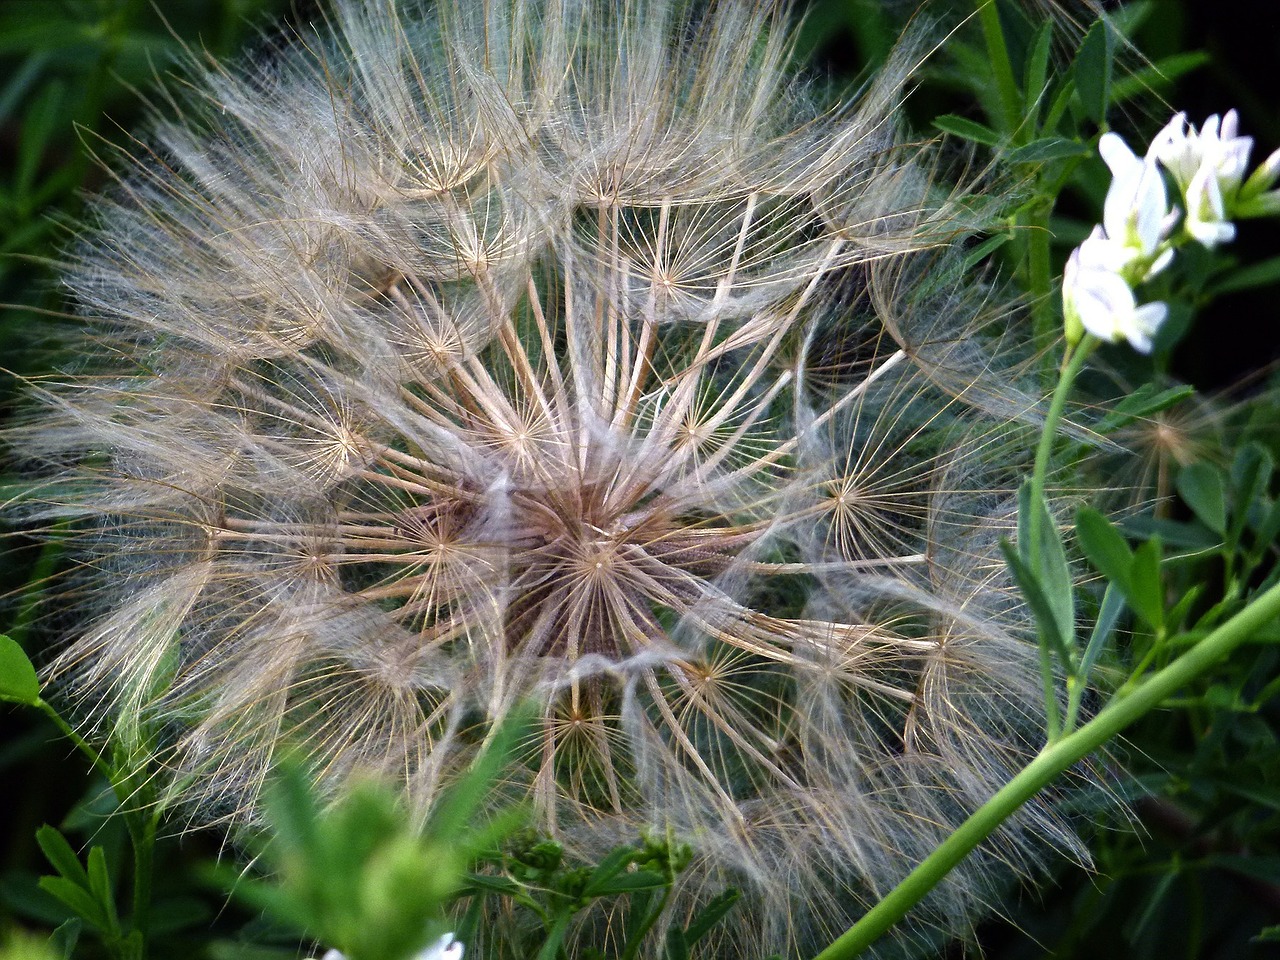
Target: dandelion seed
x=558, y=351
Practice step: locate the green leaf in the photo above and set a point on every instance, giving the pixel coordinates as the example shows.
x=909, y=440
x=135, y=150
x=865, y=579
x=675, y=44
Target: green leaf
x=1046, y=149
x=78, y=899
x=1093, y=72
x=100, y=887
x=1108, y=613
x=1050, y=570
x=37, y=129
x=715, y=911
x=63, y=940
x=1104, y=545
x=484, y=883
x=18, y=680
x=1143, y=402
x=464, y=798
x=1201, y=487
x=1161, y=73
x=629, y=883
x=178, y=913
x=1251, y=474
x=1046, y=622
x=1037, y=71
x=677, y=946
x=1146, y=591
x=1192, y=536
x=967, y=129
x=1255, y=275
x=61, y=855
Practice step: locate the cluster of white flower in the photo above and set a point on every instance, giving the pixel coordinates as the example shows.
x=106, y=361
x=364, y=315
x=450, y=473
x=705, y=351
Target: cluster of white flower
x=1136, y=240
x=446, y=948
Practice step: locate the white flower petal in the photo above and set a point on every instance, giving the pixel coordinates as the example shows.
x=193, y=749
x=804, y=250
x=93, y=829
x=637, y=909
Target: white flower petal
x=1143, y=324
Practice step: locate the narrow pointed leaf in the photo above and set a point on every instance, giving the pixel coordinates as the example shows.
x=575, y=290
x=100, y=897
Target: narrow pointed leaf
x=1046, y=622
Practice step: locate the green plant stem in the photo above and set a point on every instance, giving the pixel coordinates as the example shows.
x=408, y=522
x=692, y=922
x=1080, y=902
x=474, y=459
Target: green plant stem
x=1001, y=66
x=96, y=760
x=1072, y=362
x=1048, y=764
x=143, y=838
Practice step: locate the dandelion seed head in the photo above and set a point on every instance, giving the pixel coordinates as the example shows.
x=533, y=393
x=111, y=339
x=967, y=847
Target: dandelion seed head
x=567, y=351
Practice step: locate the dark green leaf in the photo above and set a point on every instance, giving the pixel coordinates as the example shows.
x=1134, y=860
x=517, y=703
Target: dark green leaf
x=1046, y=622
x=1193, y=536
x=78, y=899
x=1038, y=63
x=176, y=914
x=1161, y=73
x=484, y=883
x=1093, y=72
x=63, y=940
x=1201, y=487
x=614, y=862
x=100, y=887
x=1256, y=866
x=1108, y=613
x=37, y=129
x=61, y=855
x=629, y=882
x=1251, y=473
x=1049, y=148
x=1262, y=274
x=1143, y=402
x=710, y=915
x=967, y=129
x=1146, y=591
x=1103, y=544
x=677, y=946
x=1052, y=575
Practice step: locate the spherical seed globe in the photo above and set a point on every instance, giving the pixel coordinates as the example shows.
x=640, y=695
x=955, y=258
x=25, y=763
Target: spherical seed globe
x=451, y=357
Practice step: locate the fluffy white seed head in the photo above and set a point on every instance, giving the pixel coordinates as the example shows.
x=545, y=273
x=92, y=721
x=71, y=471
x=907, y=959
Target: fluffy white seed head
x=566, y=351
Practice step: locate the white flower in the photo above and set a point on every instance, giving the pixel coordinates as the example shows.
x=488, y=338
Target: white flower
x=1209, y=165
x=1206, y=210
x=1097, y=298
x=1185, y=151
x=446, y=948
x=1136, y=212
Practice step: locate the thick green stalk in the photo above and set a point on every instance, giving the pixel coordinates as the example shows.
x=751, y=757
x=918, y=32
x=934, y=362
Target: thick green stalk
x=1053, y=760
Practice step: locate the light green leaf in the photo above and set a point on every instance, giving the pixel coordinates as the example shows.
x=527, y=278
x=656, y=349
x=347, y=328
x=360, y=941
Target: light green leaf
x=18, y=680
